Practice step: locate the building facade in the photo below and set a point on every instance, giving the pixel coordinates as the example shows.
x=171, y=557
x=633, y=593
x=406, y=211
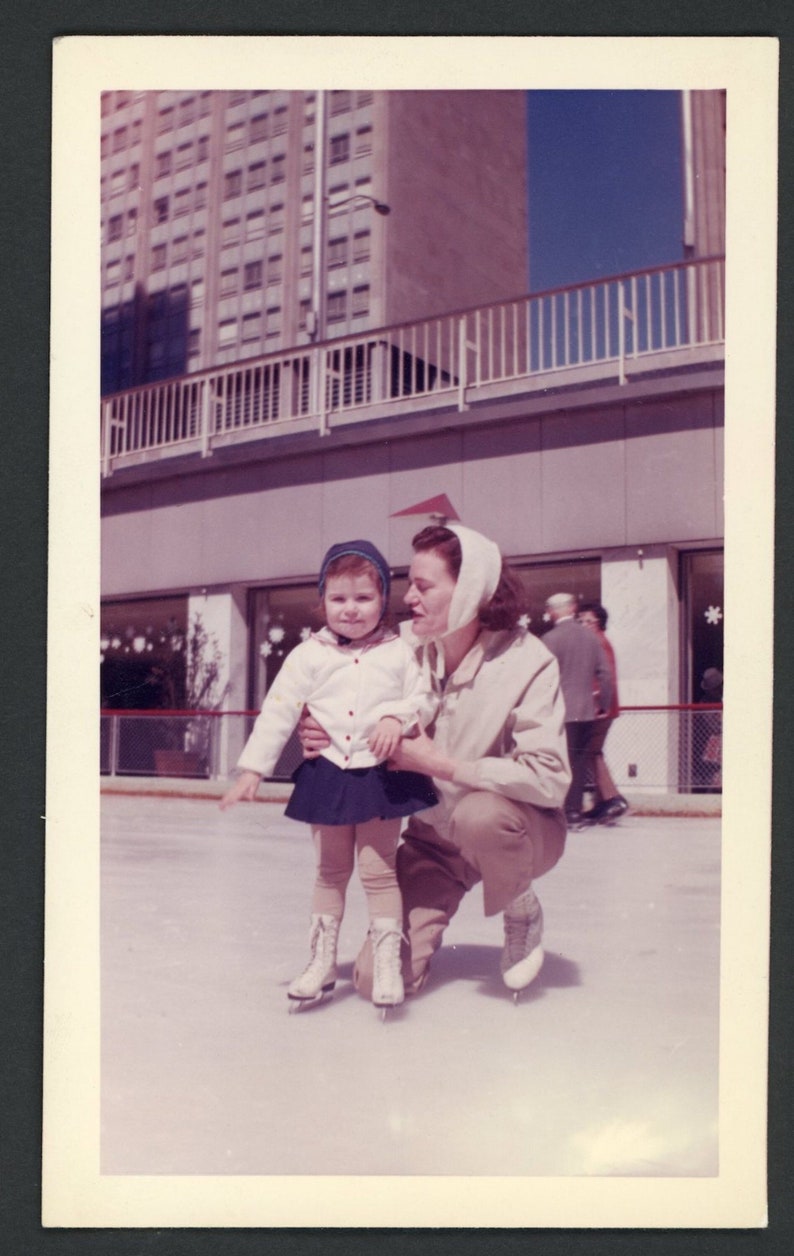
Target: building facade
x=209, y=251
x=582, y=431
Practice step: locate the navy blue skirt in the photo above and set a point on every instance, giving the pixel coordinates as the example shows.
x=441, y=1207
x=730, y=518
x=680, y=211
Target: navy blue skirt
x=326, y=794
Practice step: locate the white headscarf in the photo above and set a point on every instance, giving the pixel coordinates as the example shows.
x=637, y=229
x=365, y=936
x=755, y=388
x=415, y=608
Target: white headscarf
x=480, y=569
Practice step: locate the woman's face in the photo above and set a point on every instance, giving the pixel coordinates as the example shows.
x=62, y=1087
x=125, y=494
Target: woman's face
x=430, y=588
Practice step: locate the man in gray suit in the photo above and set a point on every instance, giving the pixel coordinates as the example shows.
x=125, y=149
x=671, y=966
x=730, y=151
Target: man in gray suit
x=584, y=670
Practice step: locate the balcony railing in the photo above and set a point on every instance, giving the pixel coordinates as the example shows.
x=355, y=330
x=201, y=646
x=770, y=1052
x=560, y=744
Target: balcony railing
x=646, y=320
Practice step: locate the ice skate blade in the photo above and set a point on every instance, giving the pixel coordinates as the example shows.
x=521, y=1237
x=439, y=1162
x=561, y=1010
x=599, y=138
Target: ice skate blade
x=298, y=1004
x=385, y=1008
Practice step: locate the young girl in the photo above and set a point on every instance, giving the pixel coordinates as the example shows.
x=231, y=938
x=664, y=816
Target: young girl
x=363, y=684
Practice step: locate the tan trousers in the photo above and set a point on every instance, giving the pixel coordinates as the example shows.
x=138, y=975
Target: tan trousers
x=336, y=845
x=492, y=839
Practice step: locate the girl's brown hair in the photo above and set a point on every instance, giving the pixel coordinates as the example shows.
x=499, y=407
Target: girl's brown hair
x=509, y=599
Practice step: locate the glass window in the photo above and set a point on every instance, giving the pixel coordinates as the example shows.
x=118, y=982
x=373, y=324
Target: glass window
x=203, y=148
x=232, y=184
x=113, y=273
x=182, y=202
x=361, y=246
x=360, y=304
x=187, y=111
x=165, y=120
x=201, y=195
x=134, y=176
x=280, y=120
x=230, y=232
x=115, y=227
x=252, y=275
x=235, y=136
x=259, y=128
x=277, y=168
x=179, y=249
x=335, y=307
x=363, y=141
x=257, y=176
x=340, y=101
x=158, y=257
x=274, y=268
x=252, y=327
x=142, y=657
x=255, y=225
x=162, y=165
x=194, y=342
x=132, y=221
x=119, y=139
x=184, y=156
x=340, y=149
x=199, y=239
x=161, y=209
x=229, y=279
x=227, y=333
x=337, y=252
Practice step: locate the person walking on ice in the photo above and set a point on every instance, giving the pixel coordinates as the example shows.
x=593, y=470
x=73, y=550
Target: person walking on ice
x=363, y=684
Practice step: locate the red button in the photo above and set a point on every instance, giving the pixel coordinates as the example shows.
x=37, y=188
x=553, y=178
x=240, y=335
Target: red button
x=348, y=737
x=351, y=712
x=355, y=660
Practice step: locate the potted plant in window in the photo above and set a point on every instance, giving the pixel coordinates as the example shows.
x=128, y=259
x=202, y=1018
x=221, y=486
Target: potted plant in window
x=199, y=665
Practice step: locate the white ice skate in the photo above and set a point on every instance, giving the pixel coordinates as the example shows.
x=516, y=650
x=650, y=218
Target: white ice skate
x=387, y=982
x=318, y=978
x=522, y=957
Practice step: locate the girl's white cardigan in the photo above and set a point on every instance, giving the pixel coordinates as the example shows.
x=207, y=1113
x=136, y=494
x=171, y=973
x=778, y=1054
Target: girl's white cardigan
x=347, y=689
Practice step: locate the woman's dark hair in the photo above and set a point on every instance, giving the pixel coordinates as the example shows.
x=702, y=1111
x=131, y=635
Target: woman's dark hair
x=509, y=599
x=595, y=608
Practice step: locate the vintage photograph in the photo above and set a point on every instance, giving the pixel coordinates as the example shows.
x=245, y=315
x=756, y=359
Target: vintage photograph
x=411, y=626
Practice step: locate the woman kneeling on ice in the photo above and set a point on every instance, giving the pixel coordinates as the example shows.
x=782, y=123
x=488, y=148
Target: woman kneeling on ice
x=496, y=752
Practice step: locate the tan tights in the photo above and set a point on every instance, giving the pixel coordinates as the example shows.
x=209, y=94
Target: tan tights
x=375, y=842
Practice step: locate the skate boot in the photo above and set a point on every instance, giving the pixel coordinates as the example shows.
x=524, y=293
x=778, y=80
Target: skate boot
x=612, y=810
x=319, y=976
x=387, y=982
x=522, y=957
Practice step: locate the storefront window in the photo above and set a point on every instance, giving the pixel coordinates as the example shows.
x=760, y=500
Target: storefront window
x=142, y=654
x=703, y=635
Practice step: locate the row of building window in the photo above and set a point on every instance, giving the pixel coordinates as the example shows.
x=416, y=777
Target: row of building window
x=185, y=156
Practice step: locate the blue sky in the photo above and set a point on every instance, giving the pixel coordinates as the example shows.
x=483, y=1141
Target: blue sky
x=605, y=183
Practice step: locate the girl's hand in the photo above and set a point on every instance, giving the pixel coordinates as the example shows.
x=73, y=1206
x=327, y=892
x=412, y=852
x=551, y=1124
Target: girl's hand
x=242, y=790
x=386, y=737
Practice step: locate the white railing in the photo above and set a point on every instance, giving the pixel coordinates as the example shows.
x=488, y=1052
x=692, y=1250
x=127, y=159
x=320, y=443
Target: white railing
x=620, y=325
x=670, y=749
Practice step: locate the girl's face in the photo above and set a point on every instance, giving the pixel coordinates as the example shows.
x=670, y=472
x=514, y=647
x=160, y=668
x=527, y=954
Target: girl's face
x=353, y=605
x=430, y=589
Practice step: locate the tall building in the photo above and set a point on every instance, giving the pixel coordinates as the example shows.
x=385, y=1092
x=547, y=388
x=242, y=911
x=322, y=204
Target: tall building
x=209, y=251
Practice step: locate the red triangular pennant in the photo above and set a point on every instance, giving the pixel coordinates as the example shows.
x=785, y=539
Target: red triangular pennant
x=440, y=505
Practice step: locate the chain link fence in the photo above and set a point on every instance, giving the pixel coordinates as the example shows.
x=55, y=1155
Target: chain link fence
x=670, y=749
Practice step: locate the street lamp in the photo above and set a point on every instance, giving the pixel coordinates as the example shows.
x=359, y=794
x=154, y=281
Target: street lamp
x=322, y=206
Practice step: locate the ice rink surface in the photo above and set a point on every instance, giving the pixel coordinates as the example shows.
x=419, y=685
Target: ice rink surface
x=607, y=1066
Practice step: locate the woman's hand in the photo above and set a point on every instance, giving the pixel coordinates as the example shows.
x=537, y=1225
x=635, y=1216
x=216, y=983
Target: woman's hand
x=242, y=790
x=386, y=737
x=312, y=736
x=418, y=754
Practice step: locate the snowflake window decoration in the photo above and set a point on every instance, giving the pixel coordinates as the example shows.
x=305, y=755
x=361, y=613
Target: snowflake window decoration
x=265, y=649
x=713, y=615
x=524, y=621
x=276, y=634
x=305, y=633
